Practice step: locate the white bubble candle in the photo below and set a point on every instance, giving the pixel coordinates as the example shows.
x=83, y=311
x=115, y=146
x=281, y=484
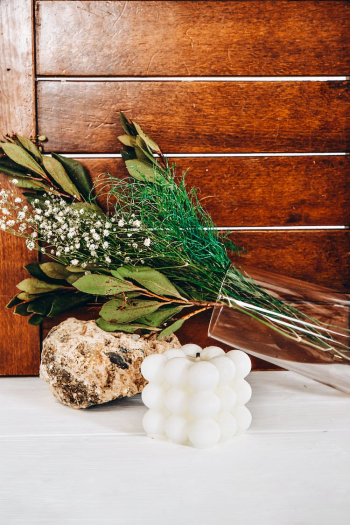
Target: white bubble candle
x=196, y=397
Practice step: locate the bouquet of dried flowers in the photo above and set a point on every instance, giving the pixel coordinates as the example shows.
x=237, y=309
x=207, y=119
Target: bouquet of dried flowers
x=152, y=253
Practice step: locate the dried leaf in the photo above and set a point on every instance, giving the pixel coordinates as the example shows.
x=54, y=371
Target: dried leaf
x=14, y=301
x=31, y=148
x=171, y=329
x=127, y=125
x=150, y=142
x=22, y=157
x=36, y=319
x=129, y=328
x=160, y=316
x=142, y=171
x=102, y=285
x=127, y=140
x=55, y=270
x=34, y=286
x=8, y=167
x=41, y=305
x=22, y=309
x=65, y=302
x=113, y=312
x=77, y=173
x=59, y=175
x=29, y=183
x=151, y=279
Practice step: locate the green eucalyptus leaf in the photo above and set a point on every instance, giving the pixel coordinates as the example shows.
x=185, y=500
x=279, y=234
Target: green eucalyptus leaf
x=129, y=328
x=114, y=312
x=150, y=142
x=65, y=302
x=59, y=175
x=77, y=173
x=24, y=296
x=14, y=301
x=127, y=125
x=23, y=158
x=8, y=167
x=102, y=285
x=55, y=270
x=34, y=269
x=127, y=140
x=31, y=148
x=160, y=316
x=22, y=309
x=142, y=171
x=41, y=305
x=29, y=184
x=73, y=277
x=171, y=329
x=35, y=286
x=36, y=319
x=151, y=279
x=128, y=154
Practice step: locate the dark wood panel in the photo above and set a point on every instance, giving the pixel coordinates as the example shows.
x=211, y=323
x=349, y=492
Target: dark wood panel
x=320, y=257
x=188, y=117
x=160, y=38
x=262, y=191
x=20, y=343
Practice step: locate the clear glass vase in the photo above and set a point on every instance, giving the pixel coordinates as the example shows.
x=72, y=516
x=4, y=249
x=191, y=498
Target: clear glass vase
x=284, y=340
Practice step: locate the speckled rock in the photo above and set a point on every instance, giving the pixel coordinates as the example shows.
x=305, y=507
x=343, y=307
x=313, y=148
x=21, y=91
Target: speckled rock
x=84, y=366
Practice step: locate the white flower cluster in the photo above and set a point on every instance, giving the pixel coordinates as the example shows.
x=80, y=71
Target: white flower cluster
x=75, y=234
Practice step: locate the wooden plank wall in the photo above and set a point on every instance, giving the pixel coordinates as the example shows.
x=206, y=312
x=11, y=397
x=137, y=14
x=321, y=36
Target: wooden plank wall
x=252, y=96
x=19, y=344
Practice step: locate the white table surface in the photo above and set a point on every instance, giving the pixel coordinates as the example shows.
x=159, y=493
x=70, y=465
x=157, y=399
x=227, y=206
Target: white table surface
x=62, y=466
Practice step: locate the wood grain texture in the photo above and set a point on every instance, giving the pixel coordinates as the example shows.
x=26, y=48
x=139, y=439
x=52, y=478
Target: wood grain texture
x=262, y=191
x=321, y=257
x=19, y=343
x=188, y=117
x=165, y=38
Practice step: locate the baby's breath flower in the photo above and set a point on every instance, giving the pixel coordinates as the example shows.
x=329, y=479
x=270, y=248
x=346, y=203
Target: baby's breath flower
x=18, y=199
x=14, y=181
x=147, y=242
x=121, y=223
x=74, y=262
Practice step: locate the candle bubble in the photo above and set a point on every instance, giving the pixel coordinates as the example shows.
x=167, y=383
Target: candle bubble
x=203, y=376
x=152, y=367
x=174, y=352
x=176, y=371
x=191, y=349
x=243, y=391
x=153, y=396
x=176, y=401
x=226, y=369
x=211, y=351
x=242, y=362
x=204, y=433
x=204, y=404
x=176, y=428
x=228, y=425
x=153, y=423
x=243, y=418
x=227, y=397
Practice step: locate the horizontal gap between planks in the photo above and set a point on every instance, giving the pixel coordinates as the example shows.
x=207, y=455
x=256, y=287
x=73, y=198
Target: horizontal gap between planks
x=203, y=155
x=189, y=79
x=279, y=228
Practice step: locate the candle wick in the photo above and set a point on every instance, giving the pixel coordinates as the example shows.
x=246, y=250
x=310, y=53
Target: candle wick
x=198, y=354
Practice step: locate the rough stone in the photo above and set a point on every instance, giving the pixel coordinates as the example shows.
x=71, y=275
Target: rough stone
x=84, y=366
